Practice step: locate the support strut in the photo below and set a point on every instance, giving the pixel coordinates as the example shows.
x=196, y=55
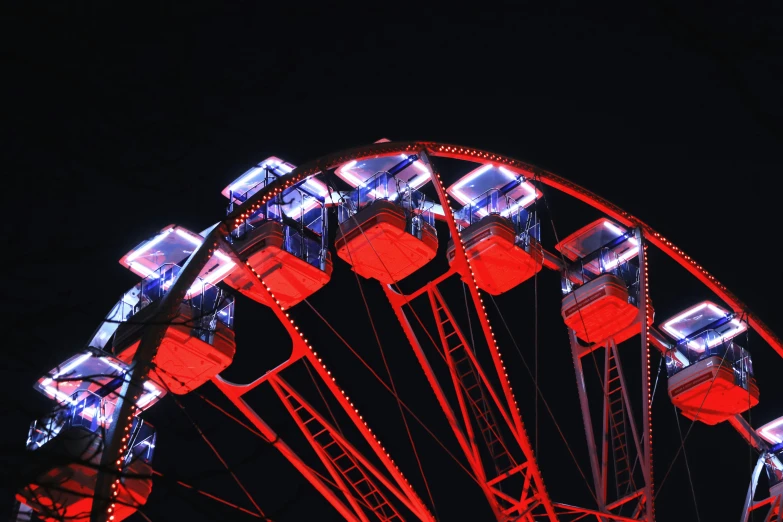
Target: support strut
x=119, y=427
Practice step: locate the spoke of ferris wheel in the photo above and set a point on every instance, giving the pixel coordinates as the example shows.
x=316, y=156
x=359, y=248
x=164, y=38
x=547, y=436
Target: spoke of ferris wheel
x=546, y=404
x=140, y=367
x=573, y=190
x=426, y=428
x=302, y=349
x=462, y=265
x=388, y=373
x=647, y=401
x=471, y=455
x=209, y=443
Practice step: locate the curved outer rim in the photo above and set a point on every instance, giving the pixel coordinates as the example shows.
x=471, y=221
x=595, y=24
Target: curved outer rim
x=436, y=149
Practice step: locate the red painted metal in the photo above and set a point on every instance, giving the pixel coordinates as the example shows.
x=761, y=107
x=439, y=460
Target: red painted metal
x=707, y=391
x=645, y=318
x=747, y=432
x=291, y=279
x=375, y=243
x=133, y=384
x=67, y=491
x=320, y=450
x=587, y=418
x=461, y=265
x=525, y=169
x=499, y=264
x=631, y=418
x=467, y=444
x=302, y=348
x=421, y=509
x=456, y=382
x=344, y=461
x=599, y=515
x=465, y=271
x=599, y=309
x=478, y=404
x=775, y=510
x=461, y=347
x=285, y=450
x=186, y=362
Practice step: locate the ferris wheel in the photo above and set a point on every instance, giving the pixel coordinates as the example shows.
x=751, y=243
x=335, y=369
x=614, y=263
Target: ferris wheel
x=442, y=230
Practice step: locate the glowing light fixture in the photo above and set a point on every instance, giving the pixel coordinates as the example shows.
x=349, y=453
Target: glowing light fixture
x=420, y=180
x=116, y=367
x=419, y=166
x=246, y=178
x=770, y=433
x=160, y=237
x=184, y=235
x=68, y=368
x=617, y=230
x=622, y=258
x=736, y=326
x=59, y=395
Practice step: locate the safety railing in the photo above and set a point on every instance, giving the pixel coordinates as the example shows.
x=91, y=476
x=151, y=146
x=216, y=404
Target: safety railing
x=609, y=259
x=302, y=215
x=495, y=202
x=91, y=413
x=732, y=355
x=208, y=303
x=385, y=187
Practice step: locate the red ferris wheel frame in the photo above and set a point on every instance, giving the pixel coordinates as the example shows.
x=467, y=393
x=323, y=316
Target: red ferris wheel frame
x=352, y=473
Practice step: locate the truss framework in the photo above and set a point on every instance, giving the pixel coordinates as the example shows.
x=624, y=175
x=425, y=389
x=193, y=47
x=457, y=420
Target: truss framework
x=151, y=341
x=362, y=487
x=771, y=508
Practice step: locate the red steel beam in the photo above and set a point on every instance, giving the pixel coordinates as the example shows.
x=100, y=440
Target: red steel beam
x=623, y=217
x=338, y=479
x=345, y=443
x=287, y=452
x=599, y=514
x=455, y=380
x=525, y=169
x=398, y=301
x=462, y=265
x=484, y=379
x=303, y=348
x=557, y=182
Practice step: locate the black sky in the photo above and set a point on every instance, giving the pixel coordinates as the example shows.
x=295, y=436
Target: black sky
x=119, y=122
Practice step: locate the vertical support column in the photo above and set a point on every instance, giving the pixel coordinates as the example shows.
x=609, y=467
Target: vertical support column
x=455, y=380
x=338, y=480
x=302, y=348
x=754, y=480
x=461, y=264
x=587, y=418
x=117, y=436
x=644, y=316
x=606, y=432
x=286, y=451
x=476, y=466
x=628, y=408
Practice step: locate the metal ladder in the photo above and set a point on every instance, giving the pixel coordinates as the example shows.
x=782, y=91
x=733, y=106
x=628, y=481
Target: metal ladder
x=345, y=463
x=616, y=414
x=457, y=356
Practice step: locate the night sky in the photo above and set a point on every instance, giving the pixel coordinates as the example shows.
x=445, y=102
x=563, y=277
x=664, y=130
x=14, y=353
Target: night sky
x=120, y=122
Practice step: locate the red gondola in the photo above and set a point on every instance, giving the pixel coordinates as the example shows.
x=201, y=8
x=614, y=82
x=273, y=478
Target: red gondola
x=600, y=282
x=385, y=231
x=65, y=451
x=710, y=376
